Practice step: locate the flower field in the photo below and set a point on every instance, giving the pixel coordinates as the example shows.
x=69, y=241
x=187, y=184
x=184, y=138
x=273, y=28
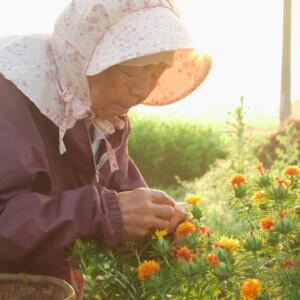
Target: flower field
x=262, y=262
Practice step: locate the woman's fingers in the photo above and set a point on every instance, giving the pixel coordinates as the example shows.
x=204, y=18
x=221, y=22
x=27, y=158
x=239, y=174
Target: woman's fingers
x=163, y=211
x=161, y=197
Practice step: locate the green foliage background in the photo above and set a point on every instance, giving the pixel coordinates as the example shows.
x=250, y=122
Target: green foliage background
x=167, y=149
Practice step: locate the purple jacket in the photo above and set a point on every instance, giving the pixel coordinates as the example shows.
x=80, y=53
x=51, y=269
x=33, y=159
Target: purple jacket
x=47, y=200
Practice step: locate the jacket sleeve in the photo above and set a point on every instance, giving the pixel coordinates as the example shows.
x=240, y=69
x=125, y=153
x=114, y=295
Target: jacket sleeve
x=40, y=225
x=128, y=177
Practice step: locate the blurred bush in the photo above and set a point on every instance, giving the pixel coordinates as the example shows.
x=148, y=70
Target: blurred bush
x=283, y=147
x=164, y=149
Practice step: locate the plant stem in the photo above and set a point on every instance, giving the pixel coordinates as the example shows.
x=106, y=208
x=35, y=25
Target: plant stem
x=248, y=214
x=257, y=265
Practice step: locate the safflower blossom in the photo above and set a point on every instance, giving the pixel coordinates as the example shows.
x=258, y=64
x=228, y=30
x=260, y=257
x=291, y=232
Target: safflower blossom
x=183, y=253
x=147, y=269
x=282, y=181
x=251, y=289
x=159, y=234
x=289, y=264
x=267, y=223
x=238, y=179
x=193, y=200
x=204, y=230
x=291, y=171
x=260, y=168
x=185, y=228
x=257, y=196
x=227, y=243
x=213, y=260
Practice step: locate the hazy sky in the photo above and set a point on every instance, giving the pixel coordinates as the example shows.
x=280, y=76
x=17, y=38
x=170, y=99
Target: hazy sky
x=242, y=36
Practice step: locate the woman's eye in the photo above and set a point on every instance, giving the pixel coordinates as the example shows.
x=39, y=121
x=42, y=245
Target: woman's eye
x=132, y=76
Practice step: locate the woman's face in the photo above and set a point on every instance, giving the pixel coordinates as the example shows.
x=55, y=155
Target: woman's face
x=117, y=89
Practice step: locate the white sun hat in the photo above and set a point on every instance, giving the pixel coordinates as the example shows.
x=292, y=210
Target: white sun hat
x=148, y=31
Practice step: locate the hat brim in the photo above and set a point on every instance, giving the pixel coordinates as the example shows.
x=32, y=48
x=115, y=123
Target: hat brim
x=187, y=73
x=149, y=31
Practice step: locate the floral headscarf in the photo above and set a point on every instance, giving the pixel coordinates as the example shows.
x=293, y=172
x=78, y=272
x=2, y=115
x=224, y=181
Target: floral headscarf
x=89, y=37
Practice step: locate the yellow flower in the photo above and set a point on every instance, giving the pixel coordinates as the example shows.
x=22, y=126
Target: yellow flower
x=194, y=200
x=147, y=269
x=251, y=289
x=291, y=171
x=238, y=179
x=227, y=243
x=185, y=228
x=267, y=223
x=159, y=234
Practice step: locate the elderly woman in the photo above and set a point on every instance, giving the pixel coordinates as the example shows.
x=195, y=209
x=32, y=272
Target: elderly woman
x=65, y=171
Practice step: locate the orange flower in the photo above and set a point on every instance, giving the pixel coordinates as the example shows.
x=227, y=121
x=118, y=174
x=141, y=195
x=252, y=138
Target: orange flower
x=238, y=179
x=204, y=230
x=267, y=223
x=257, y=196
x=260, y=168
x=213, y=259
x=282, y=181
x=194, y=200
x=147, y=269
x=251, y=289
x=183, y=253
x=185, y=228
x=291, y=171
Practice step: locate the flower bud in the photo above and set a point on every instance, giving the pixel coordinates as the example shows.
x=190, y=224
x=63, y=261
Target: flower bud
x=284, y=225
x=278, y=193
x=191, y=268
x=240, y=191
x=197, y=213
x=224, y=271
x=162, y=246
x=253, y=243
x=221, y=253
x=264, y=181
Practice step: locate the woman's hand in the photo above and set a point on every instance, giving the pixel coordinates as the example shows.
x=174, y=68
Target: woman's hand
x=180, y=215
x=145, y=210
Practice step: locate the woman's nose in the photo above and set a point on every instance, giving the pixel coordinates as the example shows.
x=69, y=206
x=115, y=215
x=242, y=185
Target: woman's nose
x=141, y=88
